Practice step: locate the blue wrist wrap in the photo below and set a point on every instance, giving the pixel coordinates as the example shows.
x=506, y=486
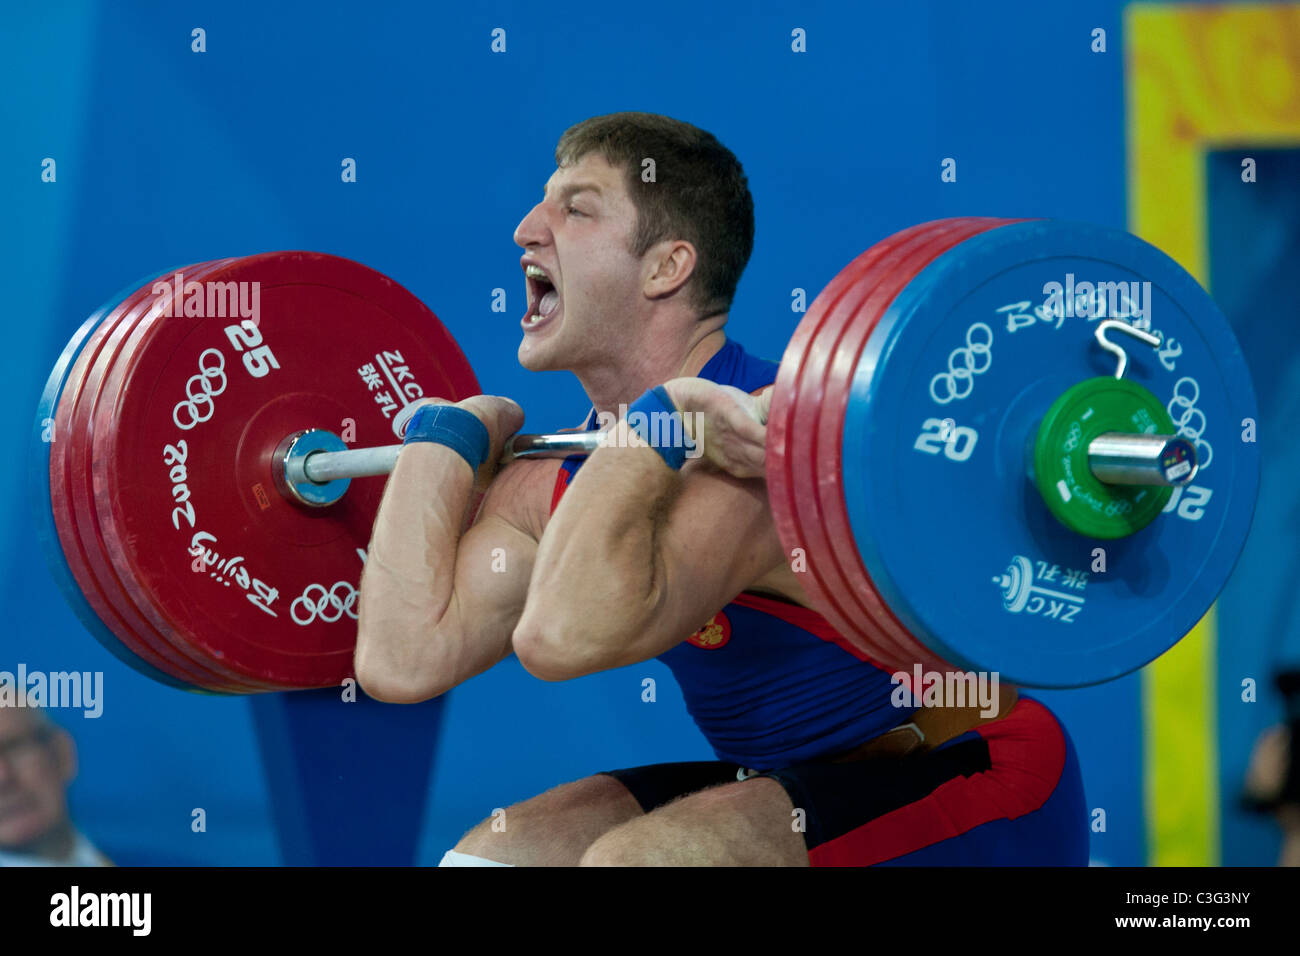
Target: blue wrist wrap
x=459, y=430
x=640, y=414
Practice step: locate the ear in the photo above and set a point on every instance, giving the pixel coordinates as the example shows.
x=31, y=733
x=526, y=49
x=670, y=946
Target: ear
x=671, y=264
x=65, y=755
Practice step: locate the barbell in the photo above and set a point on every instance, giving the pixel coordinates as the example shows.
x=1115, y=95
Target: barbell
x=958, y=464
x=315, y=466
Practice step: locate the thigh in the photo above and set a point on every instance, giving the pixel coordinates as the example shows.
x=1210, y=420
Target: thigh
x=749, y=823
x=1008, y=793
x=556, y=827
x=656, y=785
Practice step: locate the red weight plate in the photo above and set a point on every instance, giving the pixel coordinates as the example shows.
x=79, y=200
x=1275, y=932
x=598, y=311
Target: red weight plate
x=852, y=605
x=793, y=497
x=844, y=563
x=99, y=595
x=106, y=563
x=336, y=346
x=69, y=543
x=791, y=476
x=149, y=621
x=856, y=319
x=39, y=475
x=855, y=609
x=149, y=627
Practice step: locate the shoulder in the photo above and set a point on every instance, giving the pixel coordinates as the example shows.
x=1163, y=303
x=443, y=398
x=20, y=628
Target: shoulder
x=733, y=365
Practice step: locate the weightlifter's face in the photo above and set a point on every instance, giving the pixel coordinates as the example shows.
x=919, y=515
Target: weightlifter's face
x=586, y=303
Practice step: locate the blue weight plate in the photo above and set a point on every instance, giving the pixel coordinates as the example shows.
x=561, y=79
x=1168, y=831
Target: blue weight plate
x=949, y=393
x=38, y=474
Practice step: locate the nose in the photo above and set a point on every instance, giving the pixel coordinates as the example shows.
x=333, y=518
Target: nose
x=533, y=229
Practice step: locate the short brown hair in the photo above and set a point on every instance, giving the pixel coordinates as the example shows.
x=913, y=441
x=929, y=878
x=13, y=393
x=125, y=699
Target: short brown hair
x=700, y=193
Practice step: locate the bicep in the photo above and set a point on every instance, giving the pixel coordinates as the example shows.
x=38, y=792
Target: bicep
x=494, y=564
x=718, y=538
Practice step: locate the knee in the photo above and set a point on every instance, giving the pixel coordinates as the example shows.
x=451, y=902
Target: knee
x=482, y=839
x=605, y=852
x=553, y=828
x=624, y=846
x=458, y=858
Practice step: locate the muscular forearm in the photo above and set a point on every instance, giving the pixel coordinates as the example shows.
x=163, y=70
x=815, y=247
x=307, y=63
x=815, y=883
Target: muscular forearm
x=406, y=588
x=598, y=582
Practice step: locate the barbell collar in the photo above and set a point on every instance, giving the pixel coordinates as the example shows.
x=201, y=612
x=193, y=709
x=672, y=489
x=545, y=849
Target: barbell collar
x=1120, y=458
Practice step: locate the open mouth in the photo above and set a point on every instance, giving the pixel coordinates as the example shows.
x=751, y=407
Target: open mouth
x=543, y=297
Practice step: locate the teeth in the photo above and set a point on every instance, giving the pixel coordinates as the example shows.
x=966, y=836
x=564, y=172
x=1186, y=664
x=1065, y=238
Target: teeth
x=536, y=272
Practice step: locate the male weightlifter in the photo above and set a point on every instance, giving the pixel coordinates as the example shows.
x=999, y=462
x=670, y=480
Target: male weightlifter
x=629, y=555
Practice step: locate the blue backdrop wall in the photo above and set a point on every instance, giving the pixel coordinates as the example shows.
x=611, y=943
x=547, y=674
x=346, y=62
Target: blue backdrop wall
x=165, y=155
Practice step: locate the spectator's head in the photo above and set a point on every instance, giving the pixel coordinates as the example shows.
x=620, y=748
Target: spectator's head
x=37, y=762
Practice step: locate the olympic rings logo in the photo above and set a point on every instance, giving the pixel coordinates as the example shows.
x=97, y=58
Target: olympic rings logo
x=1188, y=415
x=329, y=607
x=963, y=366
x=199, y=406
x=1074, y=437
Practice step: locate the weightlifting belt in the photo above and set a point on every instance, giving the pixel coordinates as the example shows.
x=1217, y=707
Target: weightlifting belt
x=928, y=728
